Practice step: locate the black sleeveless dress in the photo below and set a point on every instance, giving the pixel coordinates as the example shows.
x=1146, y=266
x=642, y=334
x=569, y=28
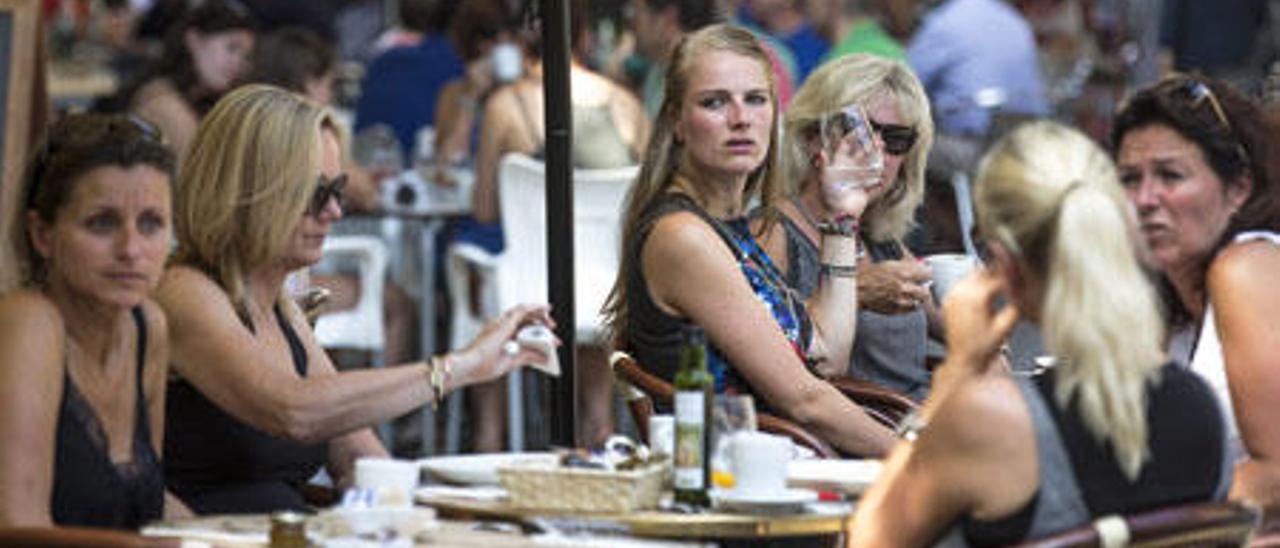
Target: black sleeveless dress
x=89, y=489
x=218, y=464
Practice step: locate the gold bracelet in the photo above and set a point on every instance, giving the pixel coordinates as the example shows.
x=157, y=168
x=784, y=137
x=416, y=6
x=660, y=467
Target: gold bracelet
x=439, y=369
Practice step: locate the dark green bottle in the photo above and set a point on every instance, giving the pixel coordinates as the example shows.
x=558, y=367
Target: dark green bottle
x=695, y=388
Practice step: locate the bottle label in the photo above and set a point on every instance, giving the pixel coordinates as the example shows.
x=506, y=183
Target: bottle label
x=690, y=433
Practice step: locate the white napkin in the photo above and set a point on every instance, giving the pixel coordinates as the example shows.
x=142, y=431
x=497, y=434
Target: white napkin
x=479, y=492
x=212, y=536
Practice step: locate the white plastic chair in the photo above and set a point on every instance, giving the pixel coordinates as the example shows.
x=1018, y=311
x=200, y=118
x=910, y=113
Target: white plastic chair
x=360, y=327
x=519, y=273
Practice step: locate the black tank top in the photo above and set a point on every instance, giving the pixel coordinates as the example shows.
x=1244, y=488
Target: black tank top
x=218, y=464
x=89, y=489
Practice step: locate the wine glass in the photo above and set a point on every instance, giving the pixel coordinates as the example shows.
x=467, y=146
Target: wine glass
x=730, y=414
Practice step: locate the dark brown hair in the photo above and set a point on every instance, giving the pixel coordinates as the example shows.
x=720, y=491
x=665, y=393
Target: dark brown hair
x=290, y=56
x=76, y=145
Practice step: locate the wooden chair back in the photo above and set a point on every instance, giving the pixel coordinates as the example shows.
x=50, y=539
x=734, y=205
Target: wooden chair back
x=882, y=404
x=1201, y=524
x=77, y=537
x=644, y=391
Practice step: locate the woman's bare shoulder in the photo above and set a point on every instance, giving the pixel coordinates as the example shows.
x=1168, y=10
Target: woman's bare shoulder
x=681, y=232
x=23, y=309
x=183, y=286
x=1243, y=273
x=31, y=330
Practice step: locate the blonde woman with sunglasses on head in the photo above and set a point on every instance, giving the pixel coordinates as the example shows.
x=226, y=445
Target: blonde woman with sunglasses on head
x=1199, y=163
x=256, y=406
x=1112, y=428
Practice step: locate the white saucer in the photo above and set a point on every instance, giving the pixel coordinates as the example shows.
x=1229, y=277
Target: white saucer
x=772, y=502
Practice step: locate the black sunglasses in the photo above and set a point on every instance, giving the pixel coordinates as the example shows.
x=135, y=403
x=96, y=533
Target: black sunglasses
x=898, y=140
x=327, y=189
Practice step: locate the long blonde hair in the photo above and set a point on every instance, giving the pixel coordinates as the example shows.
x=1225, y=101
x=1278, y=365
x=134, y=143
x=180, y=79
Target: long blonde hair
x=1051, y=196
x=662, y=157
x=246, y=183
x=859, y=79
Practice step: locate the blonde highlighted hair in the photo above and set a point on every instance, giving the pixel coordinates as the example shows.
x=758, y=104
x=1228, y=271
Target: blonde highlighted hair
x=246, y=183
x=662, y=157
x=859, y=79
x=1051, y=196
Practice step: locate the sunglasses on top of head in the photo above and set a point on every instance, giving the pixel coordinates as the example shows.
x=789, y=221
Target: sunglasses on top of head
x=327, y=189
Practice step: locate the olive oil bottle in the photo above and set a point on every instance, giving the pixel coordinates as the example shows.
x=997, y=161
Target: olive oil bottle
x=695, y=389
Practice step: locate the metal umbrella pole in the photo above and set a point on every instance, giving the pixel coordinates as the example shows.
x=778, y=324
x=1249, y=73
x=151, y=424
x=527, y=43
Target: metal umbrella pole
x=559, y=187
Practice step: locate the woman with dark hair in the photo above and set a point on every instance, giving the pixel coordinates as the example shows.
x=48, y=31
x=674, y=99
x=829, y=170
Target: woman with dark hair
x=296, y=59
x=204, y=56
x=1199, y=163
x=84, y=353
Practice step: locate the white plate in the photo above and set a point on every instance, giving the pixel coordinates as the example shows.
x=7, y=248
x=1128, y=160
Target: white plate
x=480, y=469
x=851, y=476
x=785, y=501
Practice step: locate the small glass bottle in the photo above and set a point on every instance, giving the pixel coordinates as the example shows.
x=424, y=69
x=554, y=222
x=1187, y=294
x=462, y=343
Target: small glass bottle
x=288, y=530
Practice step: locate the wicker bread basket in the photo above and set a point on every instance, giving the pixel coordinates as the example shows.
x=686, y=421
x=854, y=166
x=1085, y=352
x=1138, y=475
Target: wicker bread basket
x=544, y=486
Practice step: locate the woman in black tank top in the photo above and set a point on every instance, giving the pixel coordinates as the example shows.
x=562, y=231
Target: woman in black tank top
x=82, y=350
x=1109, y=428
x=257, y=406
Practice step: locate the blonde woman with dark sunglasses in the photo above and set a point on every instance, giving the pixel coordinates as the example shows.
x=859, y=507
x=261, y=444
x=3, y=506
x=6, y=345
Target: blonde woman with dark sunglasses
x=256, y=406
x=1199, y=163
x=893, y=307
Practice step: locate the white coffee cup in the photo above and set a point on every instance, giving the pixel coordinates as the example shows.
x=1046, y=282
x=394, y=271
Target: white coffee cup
x=759, y=462
x=507, y=61
x=948, y=268
x=392, y=481
x=662, y=434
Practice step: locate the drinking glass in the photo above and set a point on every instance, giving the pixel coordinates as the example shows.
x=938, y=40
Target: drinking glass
x=856, y=159
x=730, y=414
x=376, y=149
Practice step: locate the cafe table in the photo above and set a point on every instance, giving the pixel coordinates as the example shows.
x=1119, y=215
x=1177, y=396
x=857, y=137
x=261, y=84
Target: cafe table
x=252, y=531
x=818, y=519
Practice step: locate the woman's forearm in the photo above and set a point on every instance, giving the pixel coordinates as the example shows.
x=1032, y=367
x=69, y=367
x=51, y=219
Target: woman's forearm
x=838, y=420
x=322, y=407
x=833, y=306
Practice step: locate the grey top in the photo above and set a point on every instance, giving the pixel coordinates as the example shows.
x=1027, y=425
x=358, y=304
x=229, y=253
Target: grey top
x=1079, y=478
x=889, y=349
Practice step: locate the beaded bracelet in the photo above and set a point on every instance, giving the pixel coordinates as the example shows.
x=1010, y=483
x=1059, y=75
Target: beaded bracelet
x=846, y=225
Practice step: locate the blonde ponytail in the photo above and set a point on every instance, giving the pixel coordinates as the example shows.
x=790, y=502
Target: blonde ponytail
x=1051, y=194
